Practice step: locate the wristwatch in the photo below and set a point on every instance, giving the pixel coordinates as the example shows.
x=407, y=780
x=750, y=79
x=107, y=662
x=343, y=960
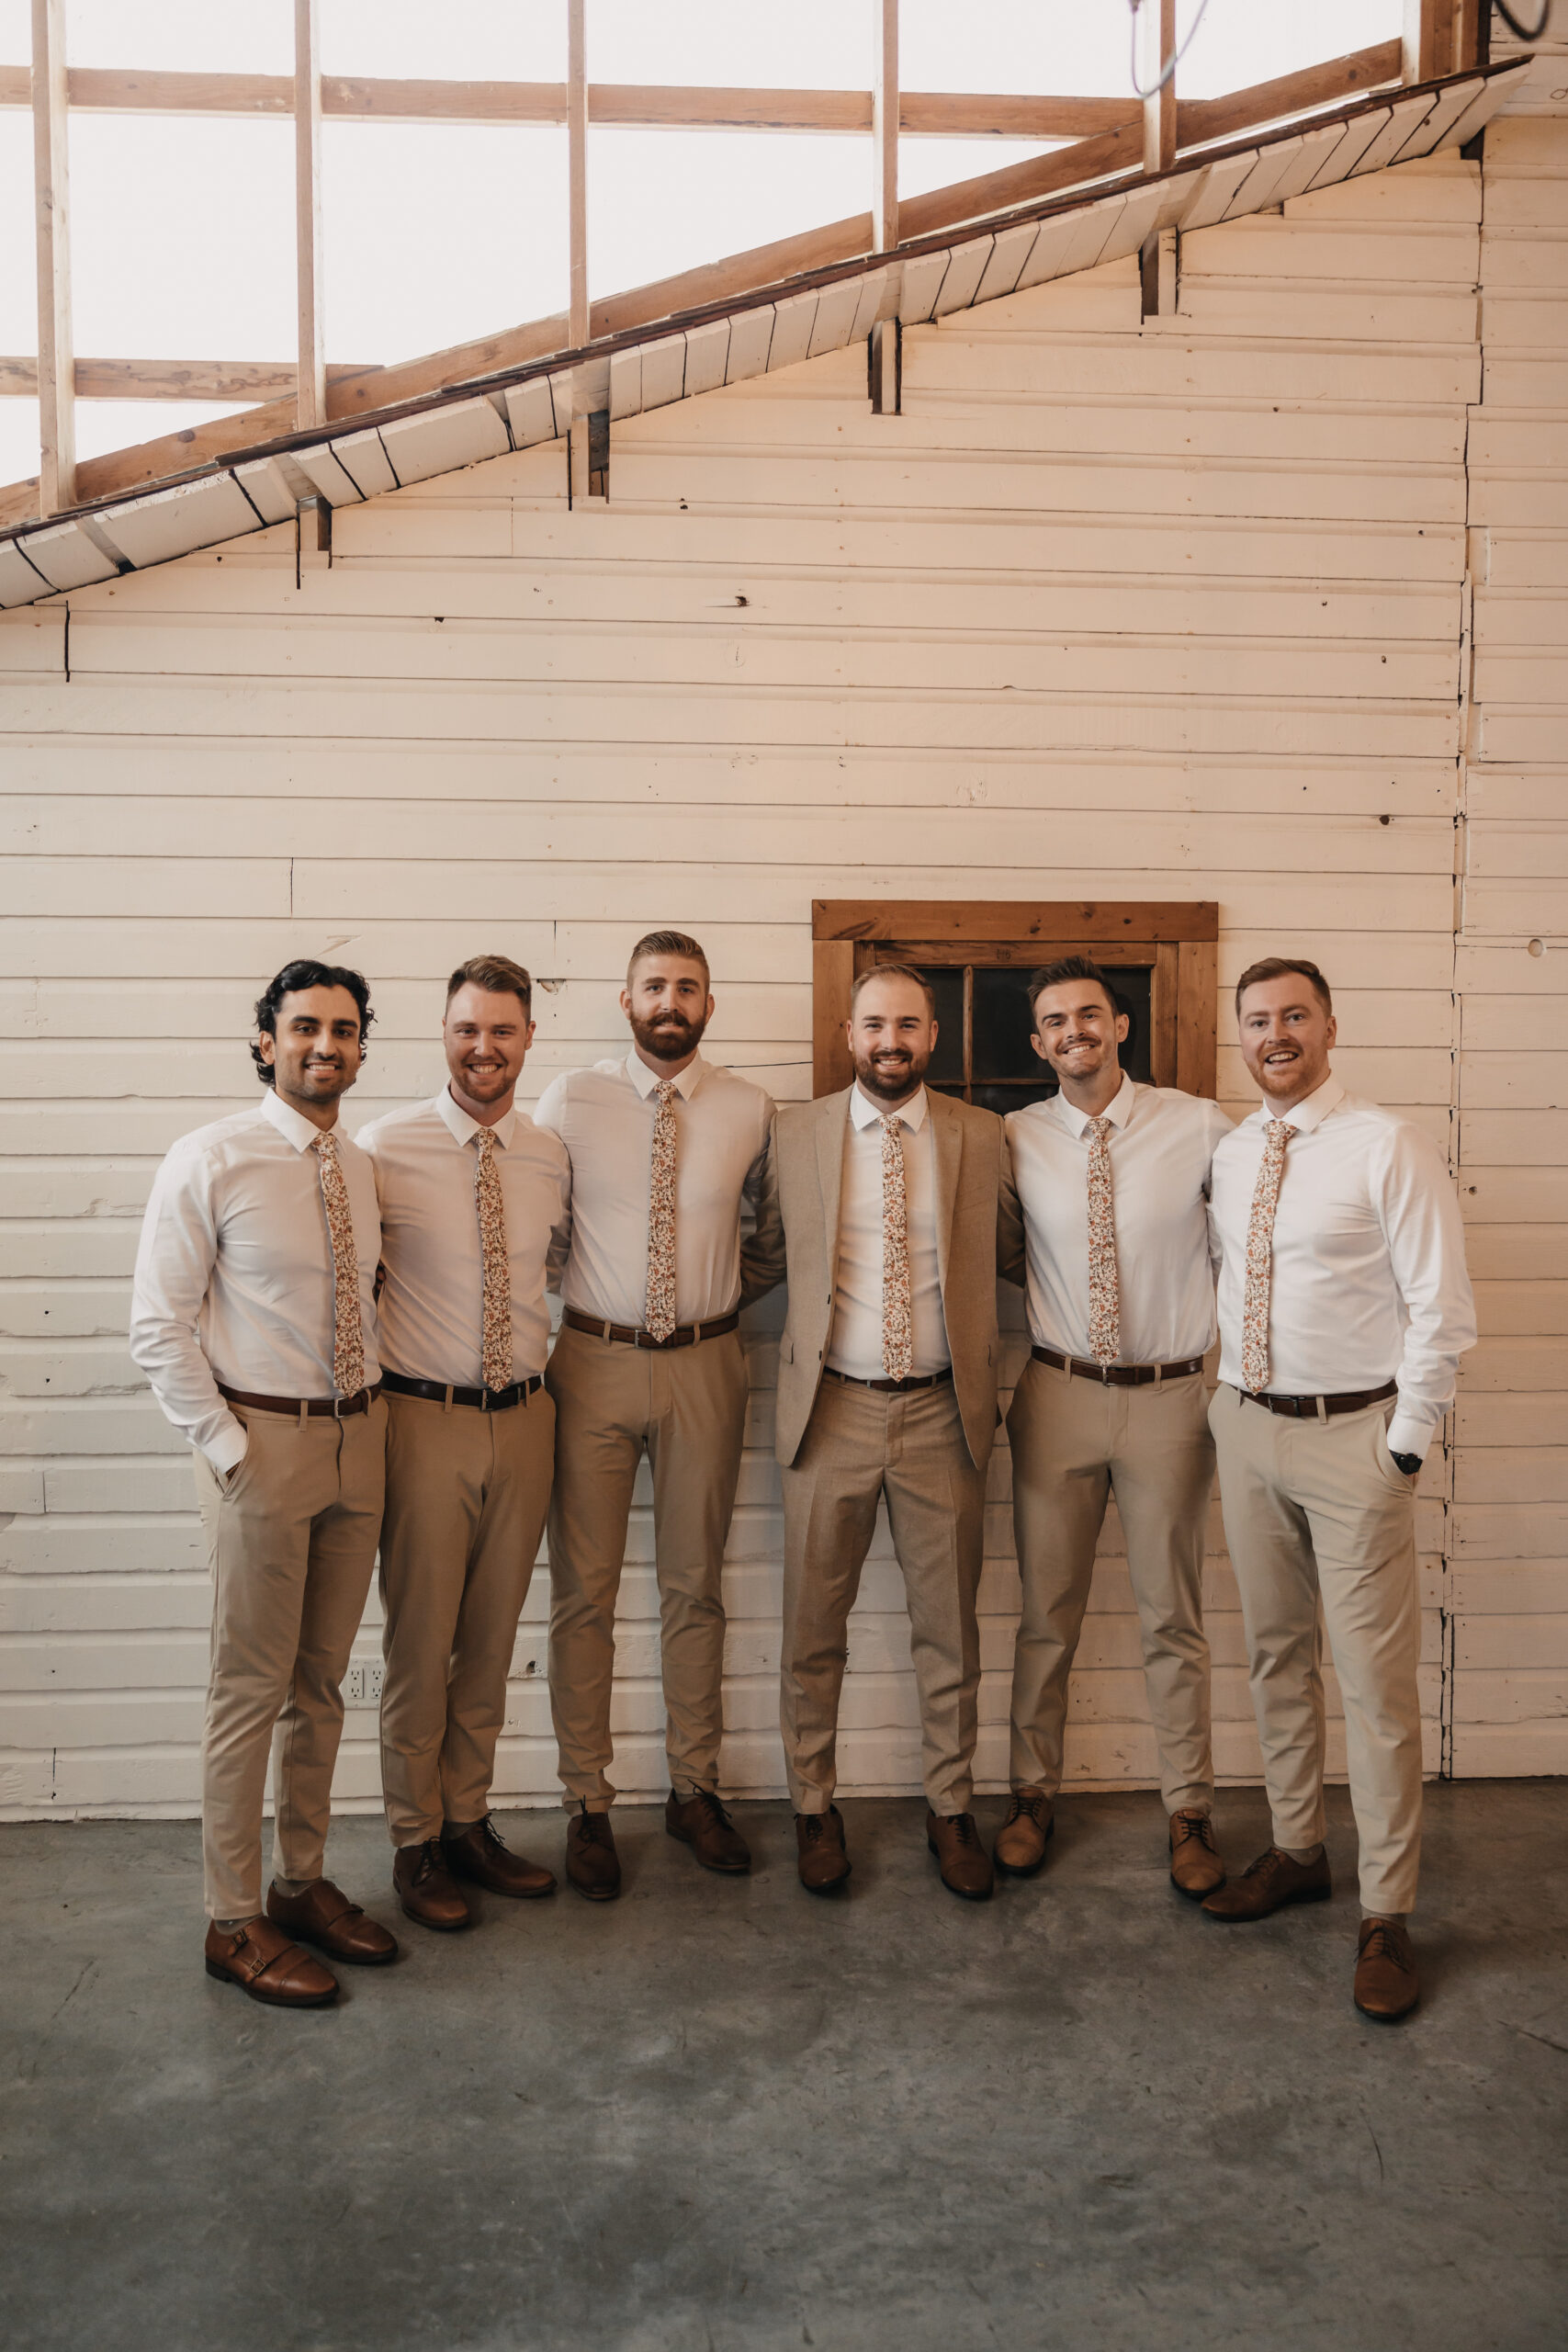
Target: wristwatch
x=1408, y=1463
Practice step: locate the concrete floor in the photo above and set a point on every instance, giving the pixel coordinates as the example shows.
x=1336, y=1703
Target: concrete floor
x=723, y=2116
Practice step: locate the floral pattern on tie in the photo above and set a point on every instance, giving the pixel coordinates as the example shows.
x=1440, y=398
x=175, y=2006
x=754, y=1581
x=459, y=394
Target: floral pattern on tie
x=348, y=1338
x=660, y=1313
x=495, y=1315
x=897, y=1322
x=1104, y=1279
x=1261, y=1257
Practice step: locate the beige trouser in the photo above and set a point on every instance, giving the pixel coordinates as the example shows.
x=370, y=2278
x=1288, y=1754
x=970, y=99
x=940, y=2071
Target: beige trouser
x=1075, y=1443
x=1318, y=1512
x=292, y=1544
x=860, y=1444
x=687, y=1407
x=467, y=1493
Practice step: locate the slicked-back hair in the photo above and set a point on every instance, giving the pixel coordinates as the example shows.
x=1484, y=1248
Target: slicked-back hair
x=1274, y=967
x=1068, y=968
x=498, y=973
x=669, y=942
x=292, y=981
x=893, y=972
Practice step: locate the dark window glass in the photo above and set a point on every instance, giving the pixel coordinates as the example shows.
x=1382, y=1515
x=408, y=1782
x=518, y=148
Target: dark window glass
x=1001, y=1045
x=947, y=1062
x=996, y=1065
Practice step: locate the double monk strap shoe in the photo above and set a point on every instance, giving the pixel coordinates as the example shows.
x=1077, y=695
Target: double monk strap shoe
x=1267, y=1884
x=819, y=1843
x=1387, y=1985
x=260, y=1958
x=324, y=1917
x=426, y=1888
x=964, y=1863
x=1025, y=1834
x=592, y=1865
x=1196, y=1868
x=477, y=1851
x=700, y=1822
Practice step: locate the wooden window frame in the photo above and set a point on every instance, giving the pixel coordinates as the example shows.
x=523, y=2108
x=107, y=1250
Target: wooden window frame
x=1177, y=940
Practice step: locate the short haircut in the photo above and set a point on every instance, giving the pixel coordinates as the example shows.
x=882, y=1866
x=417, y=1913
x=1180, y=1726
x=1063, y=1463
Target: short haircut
x=498, y=973
x=893, y=972
x=294, y=979
x=1274, y=967
x=1070, y=967
x=669, y=942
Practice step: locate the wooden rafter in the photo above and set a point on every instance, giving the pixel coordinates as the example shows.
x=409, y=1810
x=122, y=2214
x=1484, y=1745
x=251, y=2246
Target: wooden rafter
x=885, y=112
x=56, y=364
x=310, y=380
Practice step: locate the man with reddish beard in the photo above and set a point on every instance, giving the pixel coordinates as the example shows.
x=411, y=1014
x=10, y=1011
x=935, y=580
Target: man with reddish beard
x=668, y=1154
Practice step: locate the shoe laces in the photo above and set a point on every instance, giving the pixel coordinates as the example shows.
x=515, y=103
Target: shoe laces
x=706, y=1796
x=813, y=1826
x=1383, y=1943
x=430, y=1860
x=1185, y=1825
x=594, y=1828
x=962, y=1824
x=1031, y=1801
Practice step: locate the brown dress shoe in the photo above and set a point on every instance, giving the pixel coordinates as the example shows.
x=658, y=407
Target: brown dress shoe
x=477, y=1851
x=1195, y=1865
x=964, y=1864
x=324, y=1916
x=1267, y=1884
x=262, y=1961
x=701, y=1822
x=426, y=1888
x=1386, y=1983
x=1025, y=1834
x=592, y=1864
x=819, y=1843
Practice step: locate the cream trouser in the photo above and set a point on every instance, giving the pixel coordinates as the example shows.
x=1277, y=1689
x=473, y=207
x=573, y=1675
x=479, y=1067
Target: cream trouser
x=467, y=1493
x=1075, y=1442
x=291, y=1543
x=687, y=1408
x=1320, y=1522
x=860, y=1444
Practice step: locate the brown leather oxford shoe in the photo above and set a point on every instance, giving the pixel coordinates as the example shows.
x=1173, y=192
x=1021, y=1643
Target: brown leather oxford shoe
x=1267, y=1884
x=1387, y=1985
x=592, y=1865
x=1196, y=1868
x=964, y=1863
x=324, y=1917
x=821, y=1860
x=1025, y=1834
x=701, y=1822
x=477, y=1851
x=262, y=1961
x=426, y=1888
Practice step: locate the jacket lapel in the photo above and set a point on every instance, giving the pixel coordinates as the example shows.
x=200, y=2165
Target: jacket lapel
x=947, y=1133
x=833, y=1118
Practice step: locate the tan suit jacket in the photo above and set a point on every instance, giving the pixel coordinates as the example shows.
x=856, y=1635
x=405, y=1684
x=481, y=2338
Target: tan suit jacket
x=979, y=1233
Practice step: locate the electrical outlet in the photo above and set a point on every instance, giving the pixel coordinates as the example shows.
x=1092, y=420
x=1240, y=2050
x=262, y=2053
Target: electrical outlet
x=362, y=1683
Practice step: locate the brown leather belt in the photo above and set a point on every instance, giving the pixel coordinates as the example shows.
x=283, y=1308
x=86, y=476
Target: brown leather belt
x=685, y=1334
x=1318, y=1408
x=481, y=1400
x=913, y=1380
x=315, y=1409
x=1118, y=1375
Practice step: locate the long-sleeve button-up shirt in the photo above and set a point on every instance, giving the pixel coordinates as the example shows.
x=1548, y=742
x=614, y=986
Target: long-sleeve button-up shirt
x=854, y=1344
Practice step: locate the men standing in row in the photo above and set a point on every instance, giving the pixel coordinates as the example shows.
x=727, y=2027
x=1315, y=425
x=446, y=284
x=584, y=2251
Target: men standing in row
x=892, y=1199
x=253, y=1317
x=668, y=1151
x=474, y=1212
x=1113, y=1179
x=1344, y=1307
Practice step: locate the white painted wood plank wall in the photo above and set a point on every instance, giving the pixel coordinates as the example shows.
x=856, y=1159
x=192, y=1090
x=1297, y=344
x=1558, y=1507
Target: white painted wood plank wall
x=1164, y=610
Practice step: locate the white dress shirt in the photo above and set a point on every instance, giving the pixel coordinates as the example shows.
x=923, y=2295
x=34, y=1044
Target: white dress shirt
x=1369, y=1280
x=234, y=1274
x=854, y=1342
x=604, y=1116
x=1161, y=1145
x=432, y=1303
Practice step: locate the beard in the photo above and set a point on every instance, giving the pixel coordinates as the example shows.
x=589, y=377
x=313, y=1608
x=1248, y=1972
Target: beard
x=669, y=1036
x=901, y=1072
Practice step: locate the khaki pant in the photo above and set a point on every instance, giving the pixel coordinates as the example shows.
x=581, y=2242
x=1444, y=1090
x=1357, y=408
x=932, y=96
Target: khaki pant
x=467, y=1493
x=1321, y=1526
x=1075, y=1444
x=687, y=1408
x=291, y=1543
x=860, y=1444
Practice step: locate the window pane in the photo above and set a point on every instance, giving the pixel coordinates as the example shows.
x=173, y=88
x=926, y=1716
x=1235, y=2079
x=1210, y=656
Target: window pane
x=1002, y=1047
x=947, y=1062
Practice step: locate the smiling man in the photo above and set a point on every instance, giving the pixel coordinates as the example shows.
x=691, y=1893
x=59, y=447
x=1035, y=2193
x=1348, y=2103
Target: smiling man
x=253, y=1317
x=474, y=1217
x=1344, y=1308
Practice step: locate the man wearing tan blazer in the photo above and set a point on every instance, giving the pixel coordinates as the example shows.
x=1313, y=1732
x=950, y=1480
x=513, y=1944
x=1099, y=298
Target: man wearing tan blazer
x=898, y=1204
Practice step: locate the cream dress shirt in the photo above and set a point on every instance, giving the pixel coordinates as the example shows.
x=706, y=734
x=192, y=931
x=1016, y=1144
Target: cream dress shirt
x=234, y=1274
x=604, y=1116
x=1162, y=1144
x=854, y=1343
x=1369, y=1280
x=432, y=1303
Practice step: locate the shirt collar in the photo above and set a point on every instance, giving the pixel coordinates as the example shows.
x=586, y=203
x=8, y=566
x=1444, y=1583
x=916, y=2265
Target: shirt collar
x=463, y=1130
x=291, y=1124
x=646, y=1080
x=1119, y=1110
x=865, y=1113
x=1310, y=1114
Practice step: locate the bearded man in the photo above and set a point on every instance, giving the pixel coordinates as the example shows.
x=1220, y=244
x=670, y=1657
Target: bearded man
x=675, y=1227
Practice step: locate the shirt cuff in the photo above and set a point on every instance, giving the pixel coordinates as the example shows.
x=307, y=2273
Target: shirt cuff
x=228, y=1448
x=1412, y=1431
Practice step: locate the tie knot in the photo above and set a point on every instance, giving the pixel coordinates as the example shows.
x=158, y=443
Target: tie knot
x=1279, y=1134
x=325, y=1142
x=664, y=1088
x=486, y=1142
x=1100, y=1127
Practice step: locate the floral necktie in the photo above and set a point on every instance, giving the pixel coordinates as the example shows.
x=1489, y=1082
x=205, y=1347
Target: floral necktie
x=496, y=1313
x=1261, y=1257
x=1104, y=1280
x=348, y=1338
x=897, y=1328
x=660, y=1313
